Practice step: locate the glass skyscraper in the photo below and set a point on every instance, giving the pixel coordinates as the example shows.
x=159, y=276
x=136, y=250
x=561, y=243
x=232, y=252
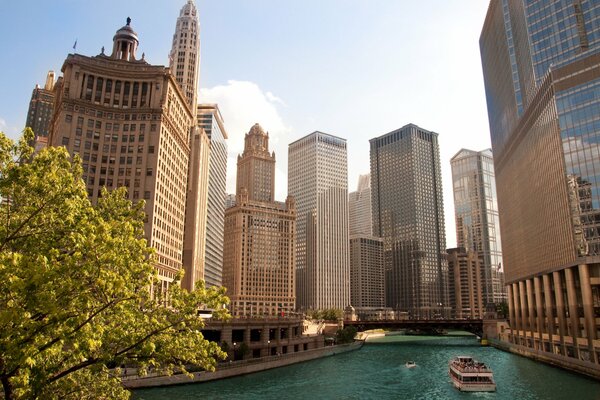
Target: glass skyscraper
x=541, y=65
x=408, y=214
x=476, y=212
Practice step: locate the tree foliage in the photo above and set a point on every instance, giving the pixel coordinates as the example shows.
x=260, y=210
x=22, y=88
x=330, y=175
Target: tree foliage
x=329, y=314
x=74, y=286
x=345, y=335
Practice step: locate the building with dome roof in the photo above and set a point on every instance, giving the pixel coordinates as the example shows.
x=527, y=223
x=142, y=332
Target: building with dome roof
x=131, y=124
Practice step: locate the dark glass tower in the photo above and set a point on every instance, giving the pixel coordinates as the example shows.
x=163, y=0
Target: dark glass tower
x=408, y=214
x=41, y=107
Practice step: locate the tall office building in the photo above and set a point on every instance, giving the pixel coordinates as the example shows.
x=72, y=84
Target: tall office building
x=476, y=213
x=366, y=272
x=185, y=53
x=318, y=181
x=130, y=123
x=185, y=65
x=465, y=283
x=210, y=119
x=541, y=64
x=259, y=253
x=229, y=200
x=408, y=214
x=41, y=107
x=359, y=208
x=196, y=213
x=366, y=251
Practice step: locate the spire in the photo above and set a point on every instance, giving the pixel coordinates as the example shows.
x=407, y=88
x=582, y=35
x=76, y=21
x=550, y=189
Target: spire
x=125, y=43
x=49, y=81
x=184, y=59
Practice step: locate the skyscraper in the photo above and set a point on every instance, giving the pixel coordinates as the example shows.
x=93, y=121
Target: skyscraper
x=464, y=282
x=408, y=214
x=185, y=53
x=359, y=208
x=541, y=64
x=41, y=107
x=210, y=119
x=196, y=215
x=259, y=254
x=130, y=123
x=366, y=272
x=476, y=212
x=366, y=251
x=318, y=181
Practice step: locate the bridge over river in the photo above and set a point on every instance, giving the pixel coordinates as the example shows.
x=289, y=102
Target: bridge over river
x=474, y=326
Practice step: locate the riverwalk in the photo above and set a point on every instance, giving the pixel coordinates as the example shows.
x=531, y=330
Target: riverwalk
x=235, y=368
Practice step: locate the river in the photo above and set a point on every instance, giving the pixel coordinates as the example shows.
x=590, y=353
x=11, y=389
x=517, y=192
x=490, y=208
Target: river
x=377, y=371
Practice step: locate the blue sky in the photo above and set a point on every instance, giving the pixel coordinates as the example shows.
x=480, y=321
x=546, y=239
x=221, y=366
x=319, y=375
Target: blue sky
x=353, y=68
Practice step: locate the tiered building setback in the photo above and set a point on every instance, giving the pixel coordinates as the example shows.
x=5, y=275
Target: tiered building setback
x=259, y=250
x=41, y=107
x=185, y=53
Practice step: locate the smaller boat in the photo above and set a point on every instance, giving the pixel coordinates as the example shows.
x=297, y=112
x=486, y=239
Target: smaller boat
x=410, y=364
x=469, y=375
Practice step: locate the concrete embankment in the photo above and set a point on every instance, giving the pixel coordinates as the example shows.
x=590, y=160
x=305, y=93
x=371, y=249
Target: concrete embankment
x=227, y=370
x=568, y=363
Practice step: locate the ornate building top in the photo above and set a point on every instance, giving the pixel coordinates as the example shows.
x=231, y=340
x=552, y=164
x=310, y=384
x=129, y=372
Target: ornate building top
x=125, y=43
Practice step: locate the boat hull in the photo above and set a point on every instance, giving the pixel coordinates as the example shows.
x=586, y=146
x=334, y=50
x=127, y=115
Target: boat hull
x=473, y=387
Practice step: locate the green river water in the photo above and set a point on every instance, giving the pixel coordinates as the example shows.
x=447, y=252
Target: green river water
x=377, y=371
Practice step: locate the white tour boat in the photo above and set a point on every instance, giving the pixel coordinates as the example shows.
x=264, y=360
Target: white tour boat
x=469, y=375
x=410, y=364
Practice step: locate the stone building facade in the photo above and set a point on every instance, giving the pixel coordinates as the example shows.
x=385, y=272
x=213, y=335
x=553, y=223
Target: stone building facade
x=130, y=124
x=259, y=246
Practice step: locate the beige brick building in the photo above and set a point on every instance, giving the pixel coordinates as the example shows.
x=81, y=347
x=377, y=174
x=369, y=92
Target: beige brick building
x=259, y=248
x=130, y=124
x=465, y=283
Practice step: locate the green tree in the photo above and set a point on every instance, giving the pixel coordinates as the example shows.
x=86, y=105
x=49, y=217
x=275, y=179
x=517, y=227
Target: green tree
x=502, y=309
x=75, y=283
x=345, y=335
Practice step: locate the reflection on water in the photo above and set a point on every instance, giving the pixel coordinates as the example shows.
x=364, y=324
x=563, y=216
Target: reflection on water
x=378, y=371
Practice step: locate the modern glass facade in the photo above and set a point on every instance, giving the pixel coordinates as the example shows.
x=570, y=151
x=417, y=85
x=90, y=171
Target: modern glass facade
x=547, y=159
x=209, y=118
x=408, y=214
x=476, y=212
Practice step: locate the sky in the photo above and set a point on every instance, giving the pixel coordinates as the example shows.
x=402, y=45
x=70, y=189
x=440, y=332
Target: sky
x=356, y=69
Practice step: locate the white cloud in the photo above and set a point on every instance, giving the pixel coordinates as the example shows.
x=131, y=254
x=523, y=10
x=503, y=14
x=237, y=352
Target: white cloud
x=243, y=104
x=2, y=125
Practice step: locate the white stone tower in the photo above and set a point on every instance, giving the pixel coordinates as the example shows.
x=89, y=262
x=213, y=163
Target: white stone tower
x=184, y=59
